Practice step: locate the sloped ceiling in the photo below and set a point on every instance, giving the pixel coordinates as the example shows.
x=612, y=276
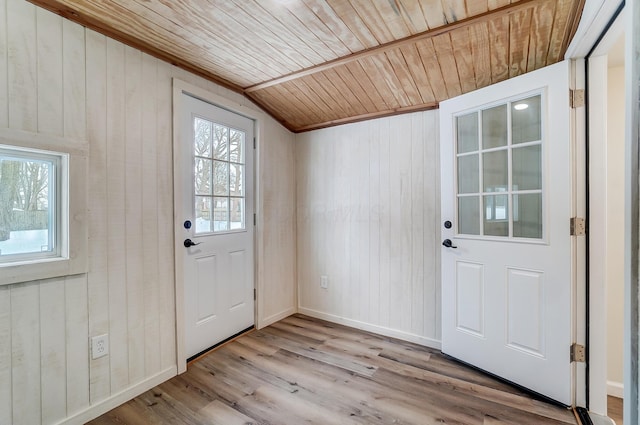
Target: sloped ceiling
x=317, y=63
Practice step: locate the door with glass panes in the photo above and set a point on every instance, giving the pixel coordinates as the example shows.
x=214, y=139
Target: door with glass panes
x=216, y=221
x=506, y=206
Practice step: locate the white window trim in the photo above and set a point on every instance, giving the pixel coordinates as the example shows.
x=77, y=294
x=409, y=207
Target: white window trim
x=73, y=228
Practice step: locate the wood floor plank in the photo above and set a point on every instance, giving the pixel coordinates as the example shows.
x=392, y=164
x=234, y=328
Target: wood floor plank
x=303, y=370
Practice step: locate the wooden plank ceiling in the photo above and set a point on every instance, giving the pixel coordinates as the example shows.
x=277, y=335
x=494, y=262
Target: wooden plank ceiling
x=317, y=63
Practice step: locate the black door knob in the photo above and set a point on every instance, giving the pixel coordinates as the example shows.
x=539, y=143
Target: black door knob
x=188, y=243
x=448, y=244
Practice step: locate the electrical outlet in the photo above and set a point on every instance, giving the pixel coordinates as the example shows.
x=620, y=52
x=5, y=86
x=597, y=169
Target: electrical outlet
x=99, y=346
x=324, y=282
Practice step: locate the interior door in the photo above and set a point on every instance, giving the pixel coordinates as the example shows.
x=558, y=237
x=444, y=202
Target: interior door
x=216, y=223
x=507, y=252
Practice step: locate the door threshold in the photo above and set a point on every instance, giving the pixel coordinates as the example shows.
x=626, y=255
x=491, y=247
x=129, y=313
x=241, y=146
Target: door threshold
x=232, y=338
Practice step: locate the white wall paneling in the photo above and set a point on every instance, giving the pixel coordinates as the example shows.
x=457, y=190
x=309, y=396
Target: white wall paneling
x=368, y=219
x=59, y=79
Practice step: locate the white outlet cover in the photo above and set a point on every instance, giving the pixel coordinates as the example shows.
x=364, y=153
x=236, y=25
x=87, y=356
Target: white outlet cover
x=99, y=346
x=324, y=282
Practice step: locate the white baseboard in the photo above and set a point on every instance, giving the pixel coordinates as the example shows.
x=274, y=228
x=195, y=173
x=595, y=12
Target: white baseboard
x=117, y=399
x=615, y=389
x=394, y=333
x=276, y=317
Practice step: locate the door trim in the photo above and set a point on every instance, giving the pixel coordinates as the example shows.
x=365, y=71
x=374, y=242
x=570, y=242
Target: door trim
x=181, y=87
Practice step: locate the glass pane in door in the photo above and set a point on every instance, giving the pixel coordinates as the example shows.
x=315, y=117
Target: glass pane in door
x=526, y=120
x=467, y=132
x=219, y=177
x=494, y=127
x=468, y=177
x=469, y=215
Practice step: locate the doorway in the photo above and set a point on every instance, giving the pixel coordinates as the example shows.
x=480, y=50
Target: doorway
x=214, y=221
x=606, y=109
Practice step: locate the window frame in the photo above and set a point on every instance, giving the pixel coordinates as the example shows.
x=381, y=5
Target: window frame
x=72, y=232
x=509, y=147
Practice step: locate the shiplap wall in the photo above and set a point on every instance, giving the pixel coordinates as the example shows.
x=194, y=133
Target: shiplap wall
x=58, y=78
x=368, y=218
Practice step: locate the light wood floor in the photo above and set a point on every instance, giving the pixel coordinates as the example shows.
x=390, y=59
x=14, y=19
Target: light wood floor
x=614, y=409
x=303, y=370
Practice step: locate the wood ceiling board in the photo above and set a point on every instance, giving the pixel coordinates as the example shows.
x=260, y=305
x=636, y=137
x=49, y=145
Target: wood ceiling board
x=254, y=10
x=461, y=43
x=386, y=76
x=97, y=24
x=355, y=87
x=393, y=18
x=502, y=12
x=520, y=30
x=347, y=91
x=563, y=28
x=454, y=10
x=272, y=100
x=306, y=95
x=378, y=84
x=418, y=73
x=476, y=7
x=298, y=105
x=338, y=27
x=230, y=38
x=401, y=71
x=349, y=106
x=153, y=28
x=358, y=72
x=541, y=27
x=314, y=25
x=479, y=35
x=444, y=53
x=413, y=15
x=499, y=48
x=434, y=13
x=374, y=22
x=432, y=67
x=347, y=14
x=261, y=35
x=393, y=112
x=297, y=27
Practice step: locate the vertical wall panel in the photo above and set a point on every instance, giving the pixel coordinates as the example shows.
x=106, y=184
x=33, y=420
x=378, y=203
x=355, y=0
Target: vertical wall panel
x=77, y=347
x=418, y=225
x=25, y=353
x=4, y=56
x=73, y=73
x=6, y=398
x=166, y=281
x=385, y=223
x=133, y=213
x=49, y=73
x=377, y=180
x=53, y=350
x=22, y=65
x=116, y=221
x=374, y=222
x=97, y=279
x=149, y=225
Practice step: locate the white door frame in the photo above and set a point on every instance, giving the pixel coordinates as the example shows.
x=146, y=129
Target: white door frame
x=596, y=16
x=179, y=88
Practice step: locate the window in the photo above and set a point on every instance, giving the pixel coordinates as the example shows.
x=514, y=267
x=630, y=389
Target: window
x=43, y=206
x=219, y=177
x=30, y=204
x=499, y=170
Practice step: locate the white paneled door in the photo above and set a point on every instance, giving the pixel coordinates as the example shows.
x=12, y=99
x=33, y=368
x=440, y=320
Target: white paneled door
x=507, y=252
x=216, y=221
